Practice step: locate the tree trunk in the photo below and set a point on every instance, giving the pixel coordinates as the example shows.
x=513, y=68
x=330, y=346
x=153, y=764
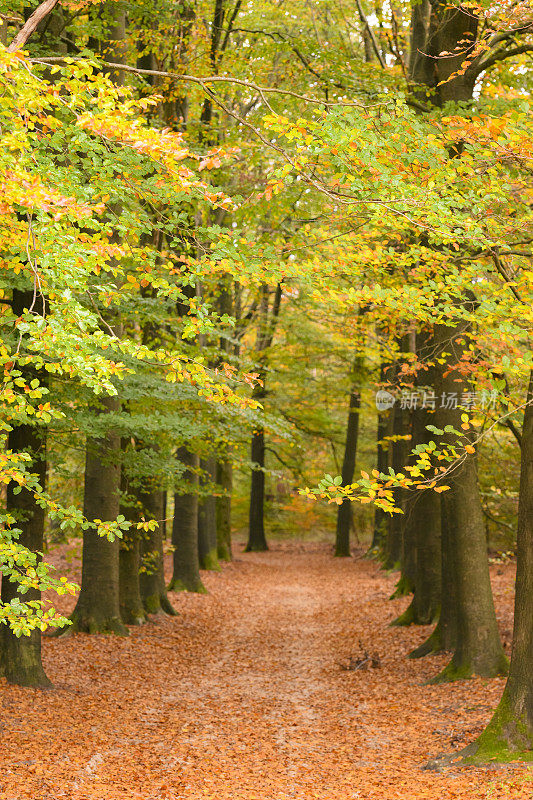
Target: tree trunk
x=265, y=336
x=256, y=537
x=423, y=528
x=152, y=574
x=394, y=538
x=422, y=534
x=224, y=469
x=98, y=608
x=467, y=616
x=428, y=579
x=20, y=658
x=509, y=734
x=207, y=520
x=344, y=511
x=131, y=605
x=186, y=576
x=478, y=650
x=406, y=584
x=223, y=521
x=381, y=518
x=444, y=637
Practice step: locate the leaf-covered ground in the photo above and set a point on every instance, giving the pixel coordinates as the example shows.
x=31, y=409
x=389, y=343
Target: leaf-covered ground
x=244, y=696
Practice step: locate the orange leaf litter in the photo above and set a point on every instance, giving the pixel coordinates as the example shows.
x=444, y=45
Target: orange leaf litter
x=242, y=696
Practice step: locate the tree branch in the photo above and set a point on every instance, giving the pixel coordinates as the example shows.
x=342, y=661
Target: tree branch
x=503, y=272
x=299, y=55
x=498, y=521
x=201, y=81
x=500, y=55
x=510, y=34
x=293, y=468
x=231, y=22
x=364, y=20
x=514, y=430
x=40, y=13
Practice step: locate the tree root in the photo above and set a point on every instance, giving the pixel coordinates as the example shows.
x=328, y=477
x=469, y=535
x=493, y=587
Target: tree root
x=88, y=623
x=459, y=671
x=180, y=585
x=431, y=646
x=402, y=588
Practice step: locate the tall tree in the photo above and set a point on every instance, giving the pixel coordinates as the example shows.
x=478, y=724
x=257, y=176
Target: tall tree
x=267, y=321
x=224, y=476
x=20, y=656
x=98, y=606
x=186, y=574
x=509, y=734
x=478, y=648
x=439, y=29
x=152, y=577
x=207, y=518
x=344, y=512
x=423, y=507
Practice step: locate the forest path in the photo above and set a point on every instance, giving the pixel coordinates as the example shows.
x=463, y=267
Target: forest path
x=242, y=696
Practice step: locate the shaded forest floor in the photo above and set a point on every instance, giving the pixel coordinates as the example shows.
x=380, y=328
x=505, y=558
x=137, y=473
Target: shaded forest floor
x=243, y=696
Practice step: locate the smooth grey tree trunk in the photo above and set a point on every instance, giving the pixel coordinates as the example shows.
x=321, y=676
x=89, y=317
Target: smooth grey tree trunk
x=98, y=609
x=20, y=658
x=344, y=511
x=223, y=521
x=478, y=649
x=186, y=574
x=207, y=520
x=152, y=574
x=510, y=732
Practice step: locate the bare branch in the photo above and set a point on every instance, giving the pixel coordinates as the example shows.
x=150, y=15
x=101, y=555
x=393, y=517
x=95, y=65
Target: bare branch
x=202, y=81
x=40, y=13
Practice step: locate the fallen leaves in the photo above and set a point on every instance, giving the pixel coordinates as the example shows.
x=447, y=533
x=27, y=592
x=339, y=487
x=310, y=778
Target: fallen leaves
x=241, y=697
